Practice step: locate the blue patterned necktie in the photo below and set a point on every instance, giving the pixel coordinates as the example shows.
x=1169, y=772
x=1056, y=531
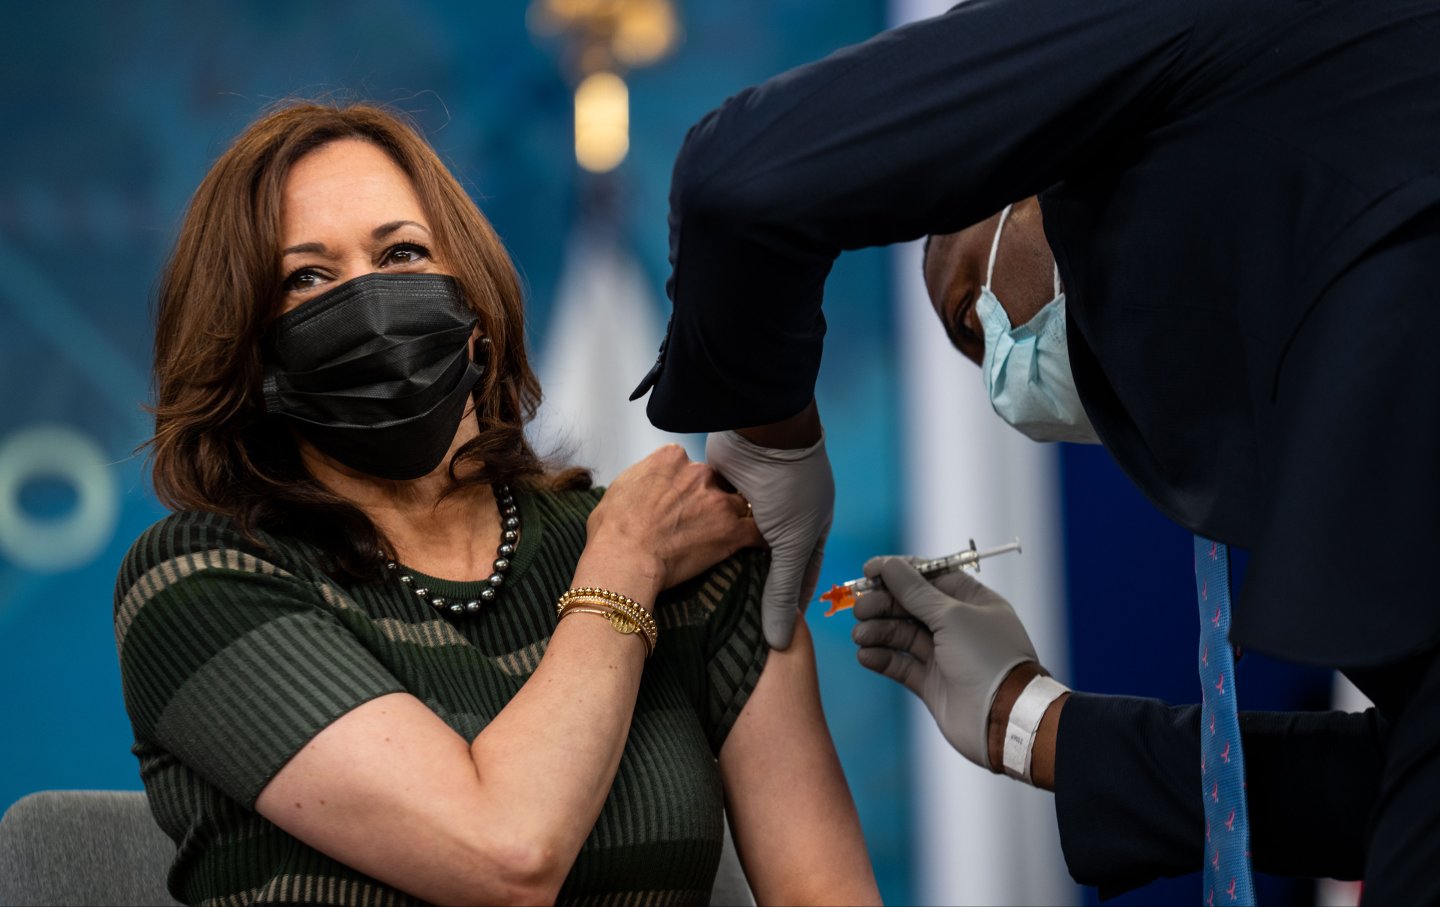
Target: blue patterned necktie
x=1222, y=763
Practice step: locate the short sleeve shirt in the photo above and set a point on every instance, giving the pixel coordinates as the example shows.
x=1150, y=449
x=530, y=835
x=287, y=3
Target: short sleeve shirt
x=234, y=654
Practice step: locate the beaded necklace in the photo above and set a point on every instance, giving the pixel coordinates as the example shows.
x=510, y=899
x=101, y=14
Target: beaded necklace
x=509, y=539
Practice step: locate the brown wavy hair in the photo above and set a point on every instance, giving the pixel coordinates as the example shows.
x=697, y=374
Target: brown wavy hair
x=213, y=447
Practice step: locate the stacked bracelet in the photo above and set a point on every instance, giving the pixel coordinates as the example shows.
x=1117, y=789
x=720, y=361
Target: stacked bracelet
x=624, y=614
x=1024, y=722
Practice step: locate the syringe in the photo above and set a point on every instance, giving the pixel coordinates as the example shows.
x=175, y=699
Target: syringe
x=843, y=596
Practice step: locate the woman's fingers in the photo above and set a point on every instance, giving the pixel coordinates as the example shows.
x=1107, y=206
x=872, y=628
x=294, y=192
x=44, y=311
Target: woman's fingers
x=749, y=533
x=683, y=510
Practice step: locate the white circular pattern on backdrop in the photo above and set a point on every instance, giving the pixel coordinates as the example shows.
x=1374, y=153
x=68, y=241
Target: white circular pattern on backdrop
x=52, y=545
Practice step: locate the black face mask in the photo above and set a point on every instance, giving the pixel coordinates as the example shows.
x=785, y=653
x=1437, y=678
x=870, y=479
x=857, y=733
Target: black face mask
x=376, y=372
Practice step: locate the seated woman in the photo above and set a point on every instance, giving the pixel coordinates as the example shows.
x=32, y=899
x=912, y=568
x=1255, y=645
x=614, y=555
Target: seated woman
x=341, y=655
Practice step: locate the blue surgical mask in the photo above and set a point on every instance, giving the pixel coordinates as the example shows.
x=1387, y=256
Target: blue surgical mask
x=1027, y=368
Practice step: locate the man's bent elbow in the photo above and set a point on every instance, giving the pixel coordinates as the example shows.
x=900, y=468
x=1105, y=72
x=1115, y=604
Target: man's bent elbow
x=713, y=179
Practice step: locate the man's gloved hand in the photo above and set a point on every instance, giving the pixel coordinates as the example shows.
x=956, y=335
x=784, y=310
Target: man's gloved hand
x=792, y=496
x=951, y=642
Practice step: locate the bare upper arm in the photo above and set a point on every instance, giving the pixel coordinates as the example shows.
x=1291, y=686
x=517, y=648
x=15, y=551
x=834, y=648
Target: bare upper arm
x=795, y=825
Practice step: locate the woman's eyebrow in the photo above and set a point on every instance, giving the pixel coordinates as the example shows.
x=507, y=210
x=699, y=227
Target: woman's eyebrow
x=379, y=232
x=386, y=229
x=317, y=247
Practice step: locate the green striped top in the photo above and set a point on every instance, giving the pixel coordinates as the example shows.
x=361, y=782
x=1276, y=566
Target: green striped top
x=233, y=656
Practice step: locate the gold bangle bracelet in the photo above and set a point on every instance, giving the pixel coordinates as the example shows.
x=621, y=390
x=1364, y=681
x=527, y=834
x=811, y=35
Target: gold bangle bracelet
x=614, y=601
x=641, y=621
x=619, y=621
x=597, y=591
x=639, y=616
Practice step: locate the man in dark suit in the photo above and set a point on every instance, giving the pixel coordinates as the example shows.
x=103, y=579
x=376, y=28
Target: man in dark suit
x=1243, y=201
x=1314, y=778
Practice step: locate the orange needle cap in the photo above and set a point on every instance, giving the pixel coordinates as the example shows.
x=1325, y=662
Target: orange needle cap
x=840, y=598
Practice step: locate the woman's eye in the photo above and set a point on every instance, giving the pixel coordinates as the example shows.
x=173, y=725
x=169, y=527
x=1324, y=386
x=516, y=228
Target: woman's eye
x=303, y=279
x=405, y=253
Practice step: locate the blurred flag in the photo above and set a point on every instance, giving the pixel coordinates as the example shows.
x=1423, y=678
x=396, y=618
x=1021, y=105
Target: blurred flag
x=980, y=838
x=604, y=322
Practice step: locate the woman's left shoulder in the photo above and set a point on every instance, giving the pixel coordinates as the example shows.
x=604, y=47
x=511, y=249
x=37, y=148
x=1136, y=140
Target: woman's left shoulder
x=563, y=504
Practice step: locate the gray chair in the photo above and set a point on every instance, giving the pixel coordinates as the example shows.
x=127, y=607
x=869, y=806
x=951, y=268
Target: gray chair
x=731, y=888
x=101, y=847
x=83, y=847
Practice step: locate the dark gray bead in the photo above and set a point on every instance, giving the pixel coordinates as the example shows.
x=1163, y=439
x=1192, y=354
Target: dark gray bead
x=495, y=579
x=487, y=595
x=391, y=565
x=472, y=607
x=457, y=608
x=507, y=550
x=512, y=522
x=501, y=565
x=438, y=601
x=511, y=510
x=510, y=535
x=423, y=592
x=407, y=579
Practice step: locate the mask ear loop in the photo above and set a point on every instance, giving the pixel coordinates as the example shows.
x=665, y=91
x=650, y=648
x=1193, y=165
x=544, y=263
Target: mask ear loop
x=482, y=359
x=995, y=245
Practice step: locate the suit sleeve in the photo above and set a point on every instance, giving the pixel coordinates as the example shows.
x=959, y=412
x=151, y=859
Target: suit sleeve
x=1127, y=790
x=923, y=129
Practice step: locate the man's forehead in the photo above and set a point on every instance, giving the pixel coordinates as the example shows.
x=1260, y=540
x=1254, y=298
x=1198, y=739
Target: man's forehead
x=949, y=259
x=937, y=263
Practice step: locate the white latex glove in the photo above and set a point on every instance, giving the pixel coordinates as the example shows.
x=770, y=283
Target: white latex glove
x=951, y=642
x=792, y=496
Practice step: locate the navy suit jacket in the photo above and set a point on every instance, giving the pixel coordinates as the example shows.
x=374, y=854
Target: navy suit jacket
x=1242, y=198
x=1127, y=790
